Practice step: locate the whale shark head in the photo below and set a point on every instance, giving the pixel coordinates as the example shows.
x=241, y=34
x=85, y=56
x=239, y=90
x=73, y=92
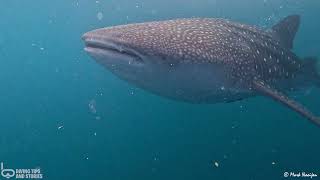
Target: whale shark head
x=119, y=55
x=132, y=52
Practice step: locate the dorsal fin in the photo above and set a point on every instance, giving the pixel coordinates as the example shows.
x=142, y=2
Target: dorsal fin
x=286, y=30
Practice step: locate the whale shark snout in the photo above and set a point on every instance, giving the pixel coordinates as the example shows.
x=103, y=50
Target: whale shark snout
x=108, y=50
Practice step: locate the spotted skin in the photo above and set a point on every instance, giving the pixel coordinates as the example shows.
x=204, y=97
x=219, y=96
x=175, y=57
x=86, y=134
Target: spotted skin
x=247, y=57
x=250, y=52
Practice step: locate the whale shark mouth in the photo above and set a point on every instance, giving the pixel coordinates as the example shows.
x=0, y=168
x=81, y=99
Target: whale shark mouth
x=111, y=49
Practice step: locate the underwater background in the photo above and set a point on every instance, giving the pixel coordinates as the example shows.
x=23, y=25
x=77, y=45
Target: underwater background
x=64, y=113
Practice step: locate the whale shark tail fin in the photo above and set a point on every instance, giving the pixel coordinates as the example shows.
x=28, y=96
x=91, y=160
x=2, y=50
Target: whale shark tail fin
x=312, y=66
x=286, y=30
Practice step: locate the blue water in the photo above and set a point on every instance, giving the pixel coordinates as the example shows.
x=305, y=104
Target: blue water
x=64, y=113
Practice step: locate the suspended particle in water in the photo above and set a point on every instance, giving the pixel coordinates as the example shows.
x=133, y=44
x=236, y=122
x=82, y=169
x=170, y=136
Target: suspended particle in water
x=92, y=106
x=100, y=16
x=216, y=164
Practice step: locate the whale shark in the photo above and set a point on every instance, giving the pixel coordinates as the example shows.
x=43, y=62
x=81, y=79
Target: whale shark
x=208, y=60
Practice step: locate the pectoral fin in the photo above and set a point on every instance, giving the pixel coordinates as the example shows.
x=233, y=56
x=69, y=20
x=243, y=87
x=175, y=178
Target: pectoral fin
x=268, y=91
